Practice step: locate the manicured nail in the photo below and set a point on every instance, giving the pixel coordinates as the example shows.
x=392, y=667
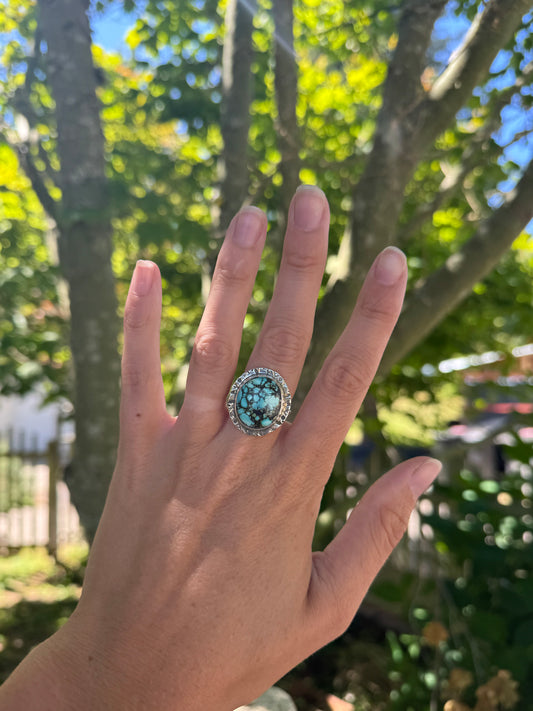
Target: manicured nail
x=248, y=226
x=308, y=207
x=390, y=266
x=424, y=476
x=142, y=277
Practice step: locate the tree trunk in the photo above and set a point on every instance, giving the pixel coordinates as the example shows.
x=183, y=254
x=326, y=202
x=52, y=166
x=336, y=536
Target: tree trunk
x=286, y=84
x=85, y=248
x=235, y=114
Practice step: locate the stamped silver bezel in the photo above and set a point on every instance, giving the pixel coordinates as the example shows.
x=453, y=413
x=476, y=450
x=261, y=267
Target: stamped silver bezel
x=231, y=401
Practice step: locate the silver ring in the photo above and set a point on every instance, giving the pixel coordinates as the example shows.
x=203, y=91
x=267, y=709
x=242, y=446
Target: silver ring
x=259, y=402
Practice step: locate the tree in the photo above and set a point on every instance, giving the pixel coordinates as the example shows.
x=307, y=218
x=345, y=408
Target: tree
x=409, y=122
x=396, y=140
x=221, y=105
x=81, y=218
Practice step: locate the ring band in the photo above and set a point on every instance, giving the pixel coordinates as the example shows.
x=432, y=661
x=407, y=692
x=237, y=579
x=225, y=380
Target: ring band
x=259, y=402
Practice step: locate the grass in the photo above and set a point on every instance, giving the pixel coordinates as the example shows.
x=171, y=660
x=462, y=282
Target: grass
x=37, y=595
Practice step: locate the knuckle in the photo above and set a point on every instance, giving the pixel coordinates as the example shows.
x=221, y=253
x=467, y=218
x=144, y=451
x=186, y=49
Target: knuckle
x=341, y=618
x=392, y=523
x=377, y=309
x=135, y=317
x=230, y=272
x=304, y=260
x=338, y=615
x=346, y=377
x=283, y=344
x=133, y=377
x=212, y=351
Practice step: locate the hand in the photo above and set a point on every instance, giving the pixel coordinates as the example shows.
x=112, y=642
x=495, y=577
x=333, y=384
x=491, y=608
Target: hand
x=201, y=589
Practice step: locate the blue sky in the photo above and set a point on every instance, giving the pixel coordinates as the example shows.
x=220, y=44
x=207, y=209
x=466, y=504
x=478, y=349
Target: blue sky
x=110, y=28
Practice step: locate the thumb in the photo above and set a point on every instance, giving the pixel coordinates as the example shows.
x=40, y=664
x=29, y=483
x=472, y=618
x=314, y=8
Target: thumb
x=343, y=572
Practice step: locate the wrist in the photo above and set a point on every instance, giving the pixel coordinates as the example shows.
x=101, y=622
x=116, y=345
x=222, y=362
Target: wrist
x=57, y=675
x=40, y=682
x=70, y=670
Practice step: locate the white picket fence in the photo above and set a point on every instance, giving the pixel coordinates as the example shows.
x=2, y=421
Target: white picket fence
x=35, y=506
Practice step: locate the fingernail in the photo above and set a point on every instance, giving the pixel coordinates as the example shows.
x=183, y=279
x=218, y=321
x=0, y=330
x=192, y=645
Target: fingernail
x=308, y=207
x=248, y=226
x=424, y=476
x=142, y=277
x=390, y=266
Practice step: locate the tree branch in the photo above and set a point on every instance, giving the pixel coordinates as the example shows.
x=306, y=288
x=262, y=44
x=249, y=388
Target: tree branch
x=33, y=62
x=452, y=182
x=403, y=89
x=28, y=166
x=448, y=286
x=407, y=126
x=235, y=112
x=449, y=184
x=20, y=138
x=378, y=196
x=29, y=135
x=392, y=160
x=491, y=30
x=286, y=85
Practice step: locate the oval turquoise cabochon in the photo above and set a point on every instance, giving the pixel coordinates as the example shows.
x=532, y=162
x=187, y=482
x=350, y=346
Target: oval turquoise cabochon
x=258, y=402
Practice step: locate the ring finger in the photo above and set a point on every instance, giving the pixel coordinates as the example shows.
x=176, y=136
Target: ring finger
x=216, y=346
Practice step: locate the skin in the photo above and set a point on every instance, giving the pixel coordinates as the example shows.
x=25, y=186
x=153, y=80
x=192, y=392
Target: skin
x=202, y=589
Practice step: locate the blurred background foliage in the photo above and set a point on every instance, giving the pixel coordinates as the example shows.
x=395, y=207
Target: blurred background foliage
x=449, y=622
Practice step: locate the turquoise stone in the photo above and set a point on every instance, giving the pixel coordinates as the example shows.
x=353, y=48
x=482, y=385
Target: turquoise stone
x=258, y=402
